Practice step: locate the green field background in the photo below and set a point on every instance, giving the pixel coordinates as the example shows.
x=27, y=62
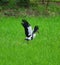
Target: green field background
x=43, y=50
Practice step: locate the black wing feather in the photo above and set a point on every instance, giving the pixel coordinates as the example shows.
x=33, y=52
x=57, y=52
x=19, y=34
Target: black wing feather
x=25, y=24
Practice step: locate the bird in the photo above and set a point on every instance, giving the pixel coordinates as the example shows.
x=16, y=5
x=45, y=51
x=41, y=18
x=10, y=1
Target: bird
x=29, y=32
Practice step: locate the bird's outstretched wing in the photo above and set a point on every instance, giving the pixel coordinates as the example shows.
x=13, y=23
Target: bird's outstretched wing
x=35, y=29
x=27, y=28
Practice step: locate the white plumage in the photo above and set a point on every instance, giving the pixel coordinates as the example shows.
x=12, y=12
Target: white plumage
x=30, y=34
x=30, y=31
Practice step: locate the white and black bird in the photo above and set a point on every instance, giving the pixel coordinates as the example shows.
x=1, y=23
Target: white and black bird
x=29, y=32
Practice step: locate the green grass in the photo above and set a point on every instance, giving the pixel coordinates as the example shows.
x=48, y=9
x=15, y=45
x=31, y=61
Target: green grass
x=43, y=50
